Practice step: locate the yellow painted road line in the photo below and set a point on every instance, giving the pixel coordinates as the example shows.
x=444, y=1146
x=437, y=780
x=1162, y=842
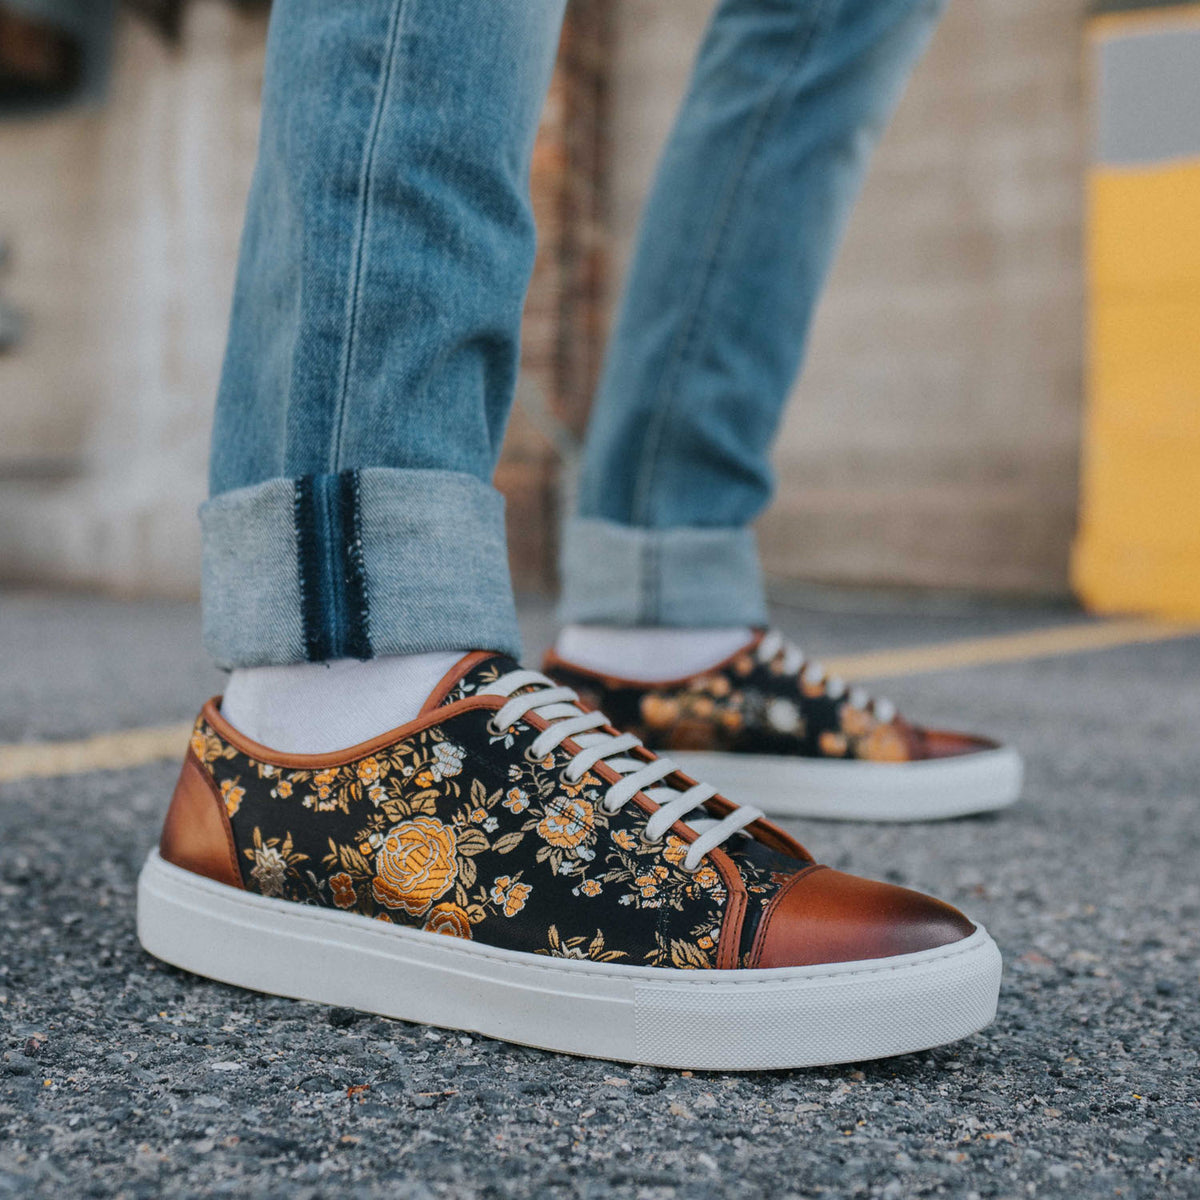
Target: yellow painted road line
x=104, y=752
x=1006, y=648
x=137, y=747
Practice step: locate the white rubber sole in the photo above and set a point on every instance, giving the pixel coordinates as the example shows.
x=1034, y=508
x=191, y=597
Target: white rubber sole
x=842, y=790
x=702, y=1020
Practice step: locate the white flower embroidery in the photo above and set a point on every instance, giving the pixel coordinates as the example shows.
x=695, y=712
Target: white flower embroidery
x=270, y=869
x=783, y=715
x=447, y=760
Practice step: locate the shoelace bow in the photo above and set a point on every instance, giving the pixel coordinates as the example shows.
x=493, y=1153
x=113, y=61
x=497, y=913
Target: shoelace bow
x=774, y=643
x=558, y=706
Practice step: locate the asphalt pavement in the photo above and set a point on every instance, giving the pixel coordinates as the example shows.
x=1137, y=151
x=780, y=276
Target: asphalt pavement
x=121, y=1077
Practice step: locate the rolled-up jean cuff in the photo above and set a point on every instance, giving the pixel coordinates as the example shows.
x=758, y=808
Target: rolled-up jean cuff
x=620, y=575
x=356, y=565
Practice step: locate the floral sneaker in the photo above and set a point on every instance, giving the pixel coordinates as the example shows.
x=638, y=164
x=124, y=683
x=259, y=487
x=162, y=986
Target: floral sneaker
x=510, y=864
x=768, y=727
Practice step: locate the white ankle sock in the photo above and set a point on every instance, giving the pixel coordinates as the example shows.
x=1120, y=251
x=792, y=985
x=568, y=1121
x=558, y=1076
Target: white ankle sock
x=317, y=708
x=649, y=652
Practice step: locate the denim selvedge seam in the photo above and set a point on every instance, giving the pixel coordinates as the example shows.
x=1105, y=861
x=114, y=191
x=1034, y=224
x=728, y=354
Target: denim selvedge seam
x=358, y=607
x=667, y=393
x=364, y=217
x=308, y=570
x=329, y=590
x=331, y=565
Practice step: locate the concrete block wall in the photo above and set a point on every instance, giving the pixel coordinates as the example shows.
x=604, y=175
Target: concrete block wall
x=125, y=226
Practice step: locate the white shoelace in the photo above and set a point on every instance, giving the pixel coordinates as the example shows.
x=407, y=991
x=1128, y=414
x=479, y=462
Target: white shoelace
x=557, y=705
x=774, y=643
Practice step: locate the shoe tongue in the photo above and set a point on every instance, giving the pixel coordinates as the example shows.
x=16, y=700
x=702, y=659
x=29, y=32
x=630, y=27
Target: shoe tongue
x=469, y=675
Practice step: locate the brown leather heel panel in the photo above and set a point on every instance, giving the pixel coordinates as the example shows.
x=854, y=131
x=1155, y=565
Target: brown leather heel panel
x=196, y=834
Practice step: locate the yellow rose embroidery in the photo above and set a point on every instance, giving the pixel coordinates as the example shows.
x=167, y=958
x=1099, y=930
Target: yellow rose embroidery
x=675, y=850
x=369, y=771
x=416, y=863
x=855, y=722
x=517, y=800
x=450, y=920
x=232, y=795
x=834, y=744
x=649, y=882
x=509, y=895
x=659, y=712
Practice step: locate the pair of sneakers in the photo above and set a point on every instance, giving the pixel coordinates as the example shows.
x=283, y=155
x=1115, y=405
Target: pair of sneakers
x=512, y=864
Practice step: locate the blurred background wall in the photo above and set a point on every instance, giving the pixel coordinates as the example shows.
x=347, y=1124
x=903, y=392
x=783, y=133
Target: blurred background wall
x=933, y=440
x=934, y=436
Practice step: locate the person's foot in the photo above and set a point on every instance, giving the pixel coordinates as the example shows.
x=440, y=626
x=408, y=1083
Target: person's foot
x=767, y=727
x=596, y=902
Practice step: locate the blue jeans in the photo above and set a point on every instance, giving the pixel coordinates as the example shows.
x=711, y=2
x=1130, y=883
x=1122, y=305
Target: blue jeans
x=374, y=343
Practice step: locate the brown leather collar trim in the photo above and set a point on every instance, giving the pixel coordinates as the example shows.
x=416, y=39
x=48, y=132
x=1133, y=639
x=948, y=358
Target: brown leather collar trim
x=552, y=661
x=453, y=676
x=339, y=758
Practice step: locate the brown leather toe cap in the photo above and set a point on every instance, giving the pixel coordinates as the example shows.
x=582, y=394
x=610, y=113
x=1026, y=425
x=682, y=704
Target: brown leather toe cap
x=825, y=916
x=925, y=744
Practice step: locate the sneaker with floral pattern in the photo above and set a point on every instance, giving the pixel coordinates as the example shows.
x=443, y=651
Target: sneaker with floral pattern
x=511, y=864
x=769, y=726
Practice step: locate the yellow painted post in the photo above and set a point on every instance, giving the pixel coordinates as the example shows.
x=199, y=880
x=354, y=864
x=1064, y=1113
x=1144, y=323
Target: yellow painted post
x=1138, y=548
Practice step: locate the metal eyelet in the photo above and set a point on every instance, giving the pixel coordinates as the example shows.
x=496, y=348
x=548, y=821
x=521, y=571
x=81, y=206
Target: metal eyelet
x=494, y=729
x=682, y=864
x=652, y=843
x=565, y=779
x=532, y=758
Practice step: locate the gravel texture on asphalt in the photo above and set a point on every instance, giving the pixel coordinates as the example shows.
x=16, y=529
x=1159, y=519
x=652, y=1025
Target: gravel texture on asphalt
x=120, y=1076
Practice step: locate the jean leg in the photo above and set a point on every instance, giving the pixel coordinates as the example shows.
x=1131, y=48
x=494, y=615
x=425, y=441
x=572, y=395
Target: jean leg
x=373, y=347
x=787, y=99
